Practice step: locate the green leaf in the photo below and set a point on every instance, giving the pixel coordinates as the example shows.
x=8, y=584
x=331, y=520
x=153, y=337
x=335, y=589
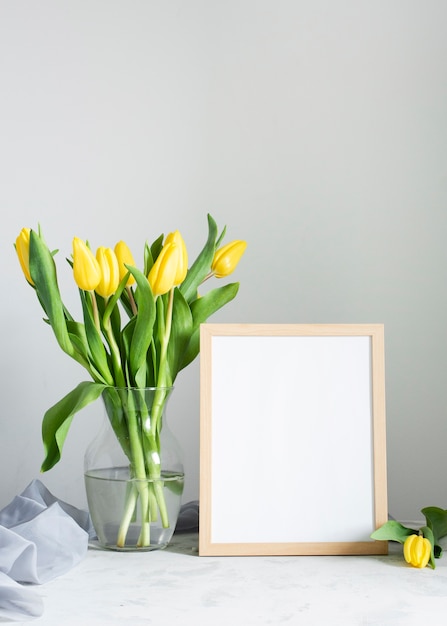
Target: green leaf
x=141, y=376
x=181, y=330
x=114, y=407
x=428, y=534
x=113, y=313
x=126, y=340
x=125, y=301
x=43, y=273
x=78, y=337
x=156, y=247
x=97, y=351
x=142, y=334
x=393, y=531
x=436, y=520
x=151, y=253
x=201, y=310
x=201, y=266
x=221, y=236
x=56, y=421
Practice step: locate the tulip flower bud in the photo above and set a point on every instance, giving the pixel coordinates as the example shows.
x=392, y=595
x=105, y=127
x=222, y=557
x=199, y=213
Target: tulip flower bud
x=163, y=273
x=182, y=267
x=417, y=550
x=124, y=256
x=86, y=270
x=110, y=276
x=22, y=249
x=226, y=258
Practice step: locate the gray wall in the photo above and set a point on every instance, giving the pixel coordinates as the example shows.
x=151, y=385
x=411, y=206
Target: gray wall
x=316, y=130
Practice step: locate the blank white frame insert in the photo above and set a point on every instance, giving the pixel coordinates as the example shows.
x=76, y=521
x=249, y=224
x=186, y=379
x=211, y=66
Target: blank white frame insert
x=293, y=444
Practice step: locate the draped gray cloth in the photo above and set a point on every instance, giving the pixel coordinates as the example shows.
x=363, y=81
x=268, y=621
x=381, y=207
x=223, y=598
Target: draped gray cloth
x=41, y=538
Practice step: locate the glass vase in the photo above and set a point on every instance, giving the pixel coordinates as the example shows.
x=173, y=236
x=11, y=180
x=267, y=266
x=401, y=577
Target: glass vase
x=134, y=472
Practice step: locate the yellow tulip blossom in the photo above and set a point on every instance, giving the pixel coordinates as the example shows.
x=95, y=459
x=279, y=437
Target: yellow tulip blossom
x=226, y=258
x=110, y=274
x=22, y=249
x=86, y=270
x=182, y=267
x=417, y=550
x=164, y=271
x=124, y=256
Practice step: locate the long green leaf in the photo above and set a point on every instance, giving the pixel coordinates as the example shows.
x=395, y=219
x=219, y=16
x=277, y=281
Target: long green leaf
x=114, y=407
x=142, y=334
x=201, y=310
x=126, y=340
x=201, y=266
x=79, y=341
x=78, y=337
x=43, y=273
x=393, y=531
x=56, y=421
x=97, y=351
x=181, y=329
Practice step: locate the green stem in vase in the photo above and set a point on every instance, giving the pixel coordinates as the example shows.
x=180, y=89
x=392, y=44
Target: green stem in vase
x=138, y=472
x=129, y=510
x=152, y=455
x=145, y=461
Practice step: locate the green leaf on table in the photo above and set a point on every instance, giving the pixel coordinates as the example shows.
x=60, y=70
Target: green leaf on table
x=57, y=420
x=393, y=531
x=436, y=519
x=428, y=534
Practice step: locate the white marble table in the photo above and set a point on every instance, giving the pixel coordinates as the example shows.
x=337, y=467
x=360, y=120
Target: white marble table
x=177, y=587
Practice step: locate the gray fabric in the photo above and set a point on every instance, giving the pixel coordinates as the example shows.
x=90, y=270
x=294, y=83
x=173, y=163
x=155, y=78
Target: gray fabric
x=188, y=519
x=41, y=538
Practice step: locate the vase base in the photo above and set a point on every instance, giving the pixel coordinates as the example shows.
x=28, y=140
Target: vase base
x=94, y=544
x=108, y=491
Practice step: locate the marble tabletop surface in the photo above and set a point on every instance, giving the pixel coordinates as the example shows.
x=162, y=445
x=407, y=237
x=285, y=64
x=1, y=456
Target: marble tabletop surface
x=176, y=586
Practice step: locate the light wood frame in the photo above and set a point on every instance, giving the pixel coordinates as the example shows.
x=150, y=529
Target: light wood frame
x=262, y=489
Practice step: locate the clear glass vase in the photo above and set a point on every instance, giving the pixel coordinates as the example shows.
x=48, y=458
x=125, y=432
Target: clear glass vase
x=134, y=472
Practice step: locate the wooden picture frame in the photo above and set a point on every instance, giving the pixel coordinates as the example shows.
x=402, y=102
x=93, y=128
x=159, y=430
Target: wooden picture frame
x=292, y=439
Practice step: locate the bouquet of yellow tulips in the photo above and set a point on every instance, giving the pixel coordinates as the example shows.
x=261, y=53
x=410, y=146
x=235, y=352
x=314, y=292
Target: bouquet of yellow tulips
x=159, y=336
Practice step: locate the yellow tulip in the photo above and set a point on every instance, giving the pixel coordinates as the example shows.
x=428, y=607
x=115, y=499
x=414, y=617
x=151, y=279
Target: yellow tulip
x=164, y=271
x=110, y=275
x=417, y=550
x=86, y=270
x=22, y=249
x=226, y=258
x=124, y=256
x=182, y=267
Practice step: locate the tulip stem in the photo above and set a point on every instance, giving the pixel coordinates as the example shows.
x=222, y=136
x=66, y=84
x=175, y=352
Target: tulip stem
x=133, y=304
x=210, y=275
x=115, y=352
x=95, y=310
x=164, y=342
